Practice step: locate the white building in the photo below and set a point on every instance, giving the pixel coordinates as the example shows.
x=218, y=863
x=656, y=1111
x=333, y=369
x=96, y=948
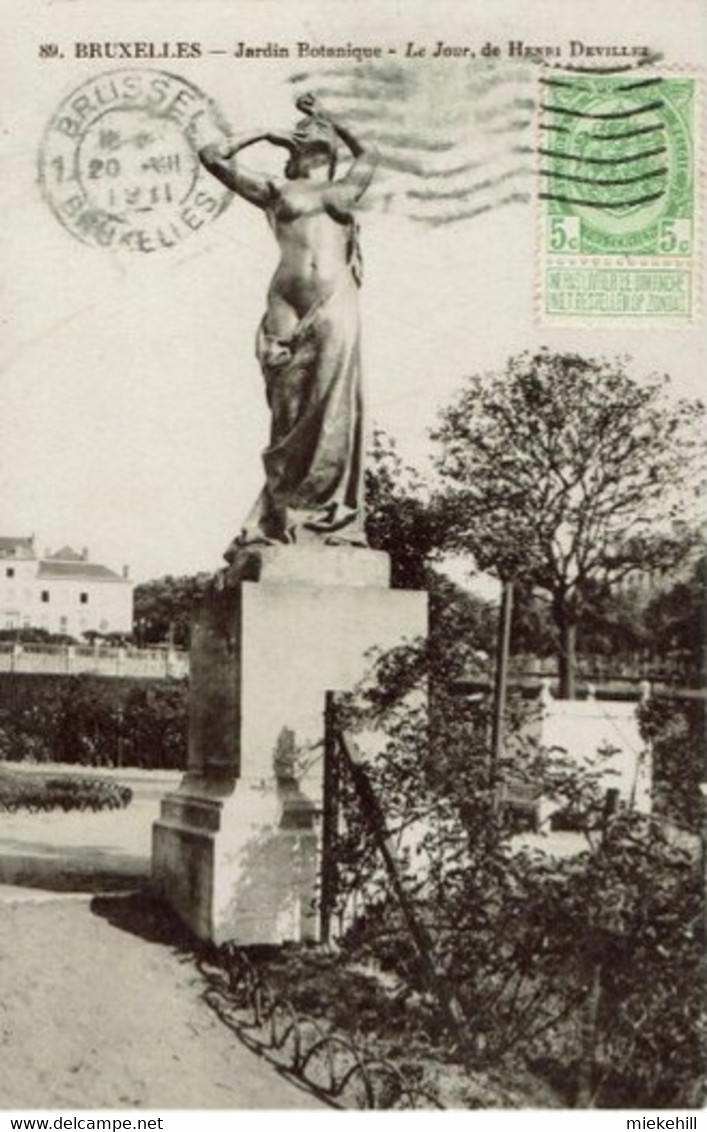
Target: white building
x=62, y=592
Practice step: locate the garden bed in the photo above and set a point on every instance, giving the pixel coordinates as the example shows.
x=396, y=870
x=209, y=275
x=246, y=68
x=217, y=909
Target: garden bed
x=355, y=1035
x=42, y=793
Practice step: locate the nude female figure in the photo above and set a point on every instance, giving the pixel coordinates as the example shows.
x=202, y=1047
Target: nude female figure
x=308, y=340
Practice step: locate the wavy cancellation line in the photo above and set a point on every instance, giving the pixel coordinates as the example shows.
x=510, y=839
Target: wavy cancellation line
x=575, y=86
x=464, y=192
x=606, y=137
x=609, y=115
x=603, y=181
x=629, y=133
x=646, y=153
x=649, y=60
x=602, y=204
x=397, y=164
x=470, y=214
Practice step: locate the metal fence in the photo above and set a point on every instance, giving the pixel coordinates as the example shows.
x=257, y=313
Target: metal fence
x=337, y=1067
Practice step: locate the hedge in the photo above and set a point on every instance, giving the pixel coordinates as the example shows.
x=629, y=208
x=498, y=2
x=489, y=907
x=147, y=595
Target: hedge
x=93, y=721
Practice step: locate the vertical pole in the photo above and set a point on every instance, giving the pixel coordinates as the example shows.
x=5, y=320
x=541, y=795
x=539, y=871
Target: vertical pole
x=703, y=839
x=589, y=1015
x=330, y=819
x=120, y=736
x=501, y=681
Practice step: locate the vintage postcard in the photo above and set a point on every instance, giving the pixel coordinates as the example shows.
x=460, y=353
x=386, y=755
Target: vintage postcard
x=296, y=294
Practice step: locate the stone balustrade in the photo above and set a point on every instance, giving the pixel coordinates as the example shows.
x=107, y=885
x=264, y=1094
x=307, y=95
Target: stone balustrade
x=102, y=660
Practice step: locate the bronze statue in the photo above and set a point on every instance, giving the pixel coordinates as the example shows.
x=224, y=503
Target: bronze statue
x=308, y=341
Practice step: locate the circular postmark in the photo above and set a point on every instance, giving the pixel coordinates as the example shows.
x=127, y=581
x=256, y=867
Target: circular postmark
x=118, y=166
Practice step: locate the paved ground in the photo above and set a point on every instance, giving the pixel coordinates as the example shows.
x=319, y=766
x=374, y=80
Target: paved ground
x=101, y=1005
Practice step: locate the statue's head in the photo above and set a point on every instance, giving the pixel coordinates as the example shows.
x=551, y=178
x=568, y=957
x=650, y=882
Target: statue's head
x=314, y=144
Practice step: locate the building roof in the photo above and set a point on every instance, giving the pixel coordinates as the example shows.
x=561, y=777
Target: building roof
x=88, y=571
x=16, y=547
x=68, y=554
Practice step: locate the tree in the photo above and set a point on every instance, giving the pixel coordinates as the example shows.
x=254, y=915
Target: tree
x=400, y=518
x=403, y=520
x=675, y=619
x=566, y=473
x=163, y=608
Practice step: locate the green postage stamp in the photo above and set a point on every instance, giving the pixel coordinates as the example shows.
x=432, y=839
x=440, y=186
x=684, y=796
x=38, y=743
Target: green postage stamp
x=617, y=191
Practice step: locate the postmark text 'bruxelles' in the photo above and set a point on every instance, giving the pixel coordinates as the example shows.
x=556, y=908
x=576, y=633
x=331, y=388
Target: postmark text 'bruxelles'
x=117, y=165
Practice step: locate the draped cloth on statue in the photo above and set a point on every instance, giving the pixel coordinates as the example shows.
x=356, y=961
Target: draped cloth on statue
x=314, y=462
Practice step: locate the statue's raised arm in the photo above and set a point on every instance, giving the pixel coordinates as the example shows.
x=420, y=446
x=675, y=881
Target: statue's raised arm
x=220, y=159
x=308, y=340
x=345, y=191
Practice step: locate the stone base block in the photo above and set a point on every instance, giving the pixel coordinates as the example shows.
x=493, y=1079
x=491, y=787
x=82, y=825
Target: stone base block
x=242, y=867
x=235, y=849
x=310, y=566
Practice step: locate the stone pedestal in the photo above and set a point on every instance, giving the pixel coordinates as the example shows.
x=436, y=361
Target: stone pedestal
x=235, y=851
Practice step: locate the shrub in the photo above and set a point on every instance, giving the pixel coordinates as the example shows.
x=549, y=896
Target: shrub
x=39, y=793
x=676, y=729
x=589, y=965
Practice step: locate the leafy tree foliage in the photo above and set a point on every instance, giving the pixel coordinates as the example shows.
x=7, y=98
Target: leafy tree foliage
x=565, y=472
x=400, y=517
x=163, y=608
x=676, y=618
x=402, y=520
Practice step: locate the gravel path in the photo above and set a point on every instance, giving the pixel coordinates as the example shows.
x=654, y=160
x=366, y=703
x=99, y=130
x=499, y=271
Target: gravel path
x=100, y=1004
x=101, y=1007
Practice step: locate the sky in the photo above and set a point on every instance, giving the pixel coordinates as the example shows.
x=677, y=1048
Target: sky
x=132, y=413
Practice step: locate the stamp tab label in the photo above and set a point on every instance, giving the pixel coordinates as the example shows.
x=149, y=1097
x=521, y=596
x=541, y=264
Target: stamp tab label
x=117, y=165
x=617, y=171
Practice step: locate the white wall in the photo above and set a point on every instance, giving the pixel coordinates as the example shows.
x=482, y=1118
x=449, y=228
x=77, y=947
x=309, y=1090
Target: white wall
x=108, y=607
x=17, y=592
x=585, y=727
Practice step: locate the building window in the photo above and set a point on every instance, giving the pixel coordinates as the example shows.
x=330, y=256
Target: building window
x=9, y=571
x=45, y=595
x=83, y=598
x=63, y=624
